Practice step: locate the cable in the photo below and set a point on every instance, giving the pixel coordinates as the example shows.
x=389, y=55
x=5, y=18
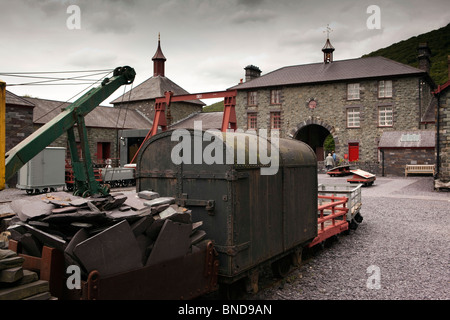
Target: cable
x=50, y=72
x=53, y=79
x=58, y=106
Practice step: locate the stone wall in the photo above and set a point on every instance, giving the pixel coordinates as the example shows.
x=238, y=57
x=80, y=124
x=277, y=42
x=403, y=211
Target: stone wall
x=178, y=110
x=19, y=124
x=95, y=135
x=444, y=136
x=395, y=160
x=331, y=111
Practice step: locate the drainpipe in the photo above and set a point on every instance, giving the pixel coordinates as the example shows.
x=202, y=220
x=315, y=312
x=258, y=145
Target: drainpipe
x=438, y=149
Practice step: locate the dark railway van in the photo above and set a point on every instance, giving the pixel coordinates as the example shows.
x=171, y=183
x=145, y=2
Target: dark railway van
x=257, y=200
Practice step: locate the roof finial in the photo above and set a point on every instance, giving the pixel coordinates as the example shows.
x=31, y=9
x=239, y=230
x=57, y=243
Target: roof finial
x=328, y=30
x=159, y=36
x=328, y=48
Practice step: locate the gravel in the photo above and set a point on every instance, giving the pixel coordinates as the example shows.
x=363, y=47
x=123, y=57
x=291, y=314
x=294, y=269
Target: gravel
x=404, y=238
x=399, y=251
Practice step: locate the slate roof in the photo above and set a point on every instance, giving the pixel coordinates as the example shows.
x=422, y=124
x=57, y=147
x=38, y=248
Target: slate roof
x=152, y=88
x=342, y=70
x=100, y=117
x=411, y=139
x=12, y=99
x=210, y=120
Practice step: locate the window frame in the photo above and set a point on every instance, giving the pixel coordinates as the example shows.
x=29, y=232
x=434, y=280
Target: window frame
x=380, y=111
x=383, y=82
x=350, y=111
x=352, y=95
x=275, y=118
x=275, y=96
x=252, y=98
x=252, y=117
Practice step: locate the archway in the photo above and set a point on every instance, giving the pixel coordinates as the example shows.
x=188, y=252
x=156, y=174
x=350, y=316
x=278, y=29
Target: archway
x=314, y=135
x=314, y=132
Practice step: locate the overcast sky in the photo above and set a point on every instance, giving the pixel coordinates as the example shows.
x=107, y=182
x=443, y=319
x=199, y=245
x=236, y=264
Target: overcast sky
x=207, y=43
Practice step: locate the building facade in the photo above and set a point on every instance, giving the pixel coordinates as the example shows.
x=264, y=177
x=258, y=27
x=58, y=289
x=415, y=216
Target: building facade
x=443, y=134
x=354, y=101
x=143, y=97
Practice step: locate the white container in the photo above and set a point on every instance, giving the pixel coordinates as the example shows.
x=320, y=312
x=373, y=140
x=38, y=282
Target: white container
x=46, y=171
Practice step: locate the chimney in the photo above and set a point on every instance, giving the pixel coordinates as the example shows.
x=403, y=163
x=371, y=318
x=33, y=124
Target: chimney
x=424, y=55
x=251, y=72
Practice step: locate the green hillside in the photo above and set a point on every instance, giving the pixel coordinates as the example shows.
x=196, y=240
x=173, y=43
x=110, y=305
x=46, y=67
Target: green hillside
x=406, y=52
x=218, y=106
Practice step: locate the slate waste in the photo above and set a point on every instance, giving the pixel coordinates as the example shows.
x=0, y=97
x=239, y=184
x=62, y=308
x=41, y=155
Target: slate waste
x=17, y=283
x=120, y=232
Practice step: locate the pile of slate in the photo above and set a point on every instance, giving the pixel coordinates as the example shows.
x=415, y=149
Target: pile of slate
x=111, y=234
x=17, y=283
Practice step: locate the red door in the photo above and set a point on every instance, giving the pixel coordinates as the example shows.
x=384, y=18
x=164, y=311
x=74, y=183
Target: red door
x=353, y=151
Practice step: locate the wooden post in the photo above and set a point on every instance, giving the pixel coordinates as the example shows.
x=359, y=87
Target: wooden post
x=2, y=133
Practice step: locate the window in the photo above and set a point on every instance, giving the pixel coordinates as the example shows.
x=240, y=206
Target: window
x=252, y=122
x=353, y=117
x=385, y=89
x=252, y=98
x=275, y=96
x=275, y=120
x=385, y=116
x=353, y=91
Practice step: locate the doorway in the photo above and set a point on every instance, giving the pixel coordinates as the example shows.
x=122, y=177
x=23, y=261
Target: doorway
x=314, y=135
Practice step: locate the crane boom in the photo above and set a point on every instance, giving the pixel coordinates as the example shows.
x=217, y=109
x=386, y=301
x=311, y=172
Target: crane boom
x=65, y=122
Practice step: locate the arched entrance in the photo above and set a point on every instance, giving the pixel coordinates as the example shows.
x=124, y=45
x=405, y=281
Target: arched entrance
x=314, y=133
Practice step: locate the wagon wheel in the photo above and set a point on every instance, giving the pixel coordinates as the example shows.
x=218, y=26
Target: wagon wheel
x=29, y=191
x=358, y=217
x=86, y=194
x=281, y=267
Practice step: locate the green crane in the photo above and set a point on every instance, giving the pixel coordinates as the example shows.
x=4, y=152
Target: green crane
x=85, y=183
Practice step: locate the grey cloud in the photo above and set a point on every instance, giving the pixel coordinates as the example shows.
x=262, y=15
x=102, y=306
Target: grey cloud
x=258, y=15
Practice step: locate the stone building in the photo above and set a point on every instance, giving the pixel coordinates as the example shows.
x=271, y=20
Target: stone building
x=443, y=134
x=103, y=125
x=143, y=97
x=18, y=119
x=353, y=100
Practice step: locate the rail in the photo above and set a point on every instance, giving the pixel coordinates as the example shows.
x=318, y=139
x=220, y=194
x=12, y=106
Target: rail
x=331, y=218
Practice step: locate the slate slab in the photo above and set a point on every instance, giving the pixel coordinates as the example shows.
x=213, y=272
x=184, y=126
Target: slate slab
x=141, y=225
x=148, y=195
x=24, y=291
x=111, y=251
x=173, y=241
x=26, y=209
x=11, y=262
x=6, y=253
x=160, y=201
x=134, y=202
x=47, y=238
x=11, y=274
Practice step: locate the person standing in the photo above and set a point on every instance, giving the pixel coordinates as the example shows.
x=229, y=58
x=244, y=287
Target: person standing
x=329, y=162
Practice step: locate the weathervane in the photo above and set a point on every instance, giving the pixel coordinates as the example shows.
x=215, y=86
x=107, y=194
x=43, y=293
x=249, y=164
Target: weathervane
x=328, y=30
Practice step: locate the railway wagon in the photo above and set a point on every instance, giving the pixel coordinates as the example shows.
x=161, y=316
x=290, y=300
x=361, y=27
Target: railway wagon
x=257, y=212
